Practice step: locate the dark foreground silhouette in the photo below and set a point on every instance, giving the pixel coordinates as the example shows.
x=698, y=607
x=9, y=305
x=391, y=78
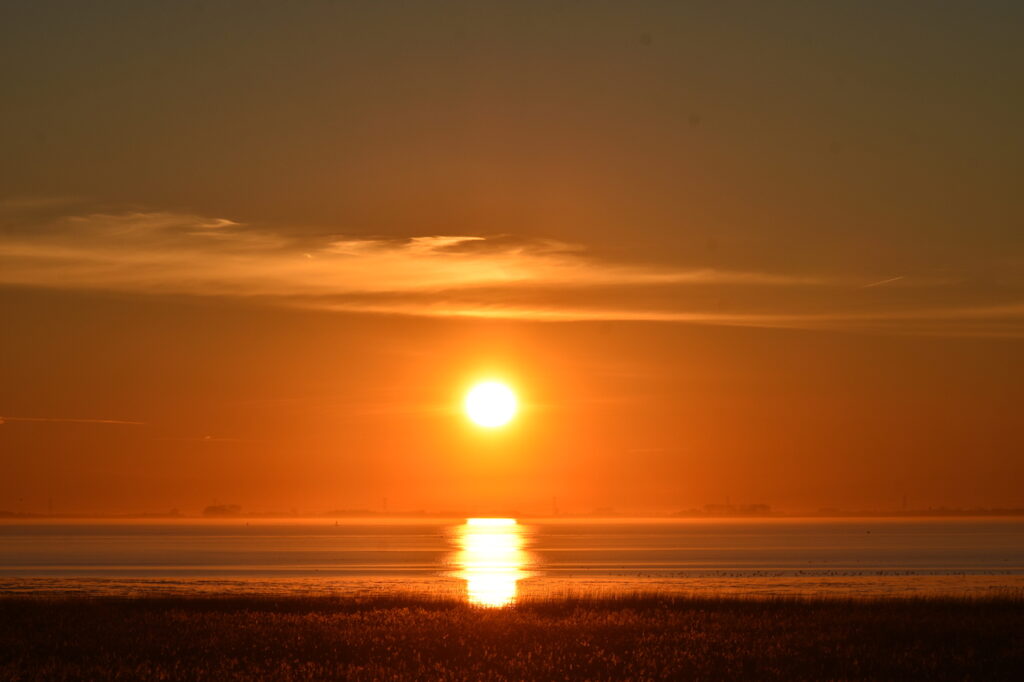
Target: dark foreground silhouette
x=396, y=637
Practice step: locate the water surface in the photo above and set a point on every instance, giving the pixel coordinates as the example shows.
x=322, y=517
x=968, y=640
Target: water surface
x=495, y=561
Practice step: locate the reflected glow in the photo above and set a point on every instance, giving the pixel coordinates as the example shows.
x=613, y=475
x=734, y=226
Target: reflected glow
x=491, y=560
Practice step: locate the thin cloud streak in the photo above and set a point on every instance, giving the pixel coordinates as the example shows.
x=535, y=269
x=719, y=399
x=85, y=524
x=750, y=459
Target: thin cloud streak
x=996, y=321
x=68, y=420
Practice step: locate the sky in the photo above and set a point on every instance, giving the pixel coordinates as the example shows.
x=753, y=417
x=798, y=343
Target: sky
x=255, y=253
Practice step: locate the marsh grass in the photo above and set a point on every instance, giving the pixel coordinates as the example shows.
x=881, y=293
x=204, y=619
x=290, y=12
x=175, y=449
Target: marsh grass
x=564, y=638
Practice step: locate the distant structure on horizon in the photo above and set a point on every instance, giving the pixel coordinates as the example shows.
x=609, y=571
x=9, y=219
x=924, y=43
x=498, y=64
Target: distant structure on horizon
x=737, y=509
x=729, y=510
x=222, y=510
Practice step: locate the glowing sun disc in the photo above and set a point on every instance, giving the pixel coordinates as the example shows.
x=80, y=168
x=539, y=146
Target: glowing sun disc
x=490, y=404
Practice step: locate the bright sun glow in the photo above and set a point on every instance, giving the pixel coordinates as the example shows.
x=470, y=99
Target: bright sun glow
x=491, y=404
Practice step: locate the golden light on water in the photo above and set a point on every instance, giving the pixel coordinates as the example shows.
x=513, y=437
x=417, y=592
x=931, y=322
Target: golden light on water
x=491, y=559
x=491, y=404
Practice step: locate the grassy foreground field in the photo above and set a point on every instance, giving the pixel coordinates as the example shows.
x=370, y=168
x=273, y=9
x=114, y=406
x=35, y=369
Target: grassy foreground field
x=640, y=637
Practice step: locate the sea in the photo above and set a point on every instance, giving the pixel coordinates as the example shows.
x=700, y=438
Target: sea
x=496, y=561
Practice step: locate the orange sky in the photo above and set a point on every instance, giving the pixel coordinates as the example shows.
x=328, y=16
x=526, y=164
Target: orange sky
x=746, y=254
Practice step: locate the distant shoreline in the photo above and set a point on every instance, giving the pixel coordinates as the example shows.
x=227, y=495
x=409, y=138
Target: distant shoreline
x=442, y=516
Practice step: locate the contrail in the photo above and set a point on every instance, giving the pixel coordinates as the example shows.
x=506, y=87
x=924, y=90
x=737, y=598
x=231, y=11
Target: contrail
x=882, y=281
x=73, y=421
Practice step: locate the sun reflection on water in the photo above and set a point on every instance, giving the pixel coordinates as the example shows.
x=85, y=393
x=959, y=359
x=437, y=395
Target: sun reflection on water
x=491, y=559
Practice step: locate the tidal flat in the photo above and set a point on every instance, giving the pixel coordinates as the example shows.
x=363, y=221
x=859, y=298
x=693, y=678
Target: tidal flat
x=640, y=637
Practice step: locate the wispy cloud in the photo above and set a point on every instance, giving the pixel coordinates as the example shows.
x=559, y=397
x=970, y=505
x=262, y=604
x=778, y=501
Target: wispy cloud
x=469, y=275
x=174, y=253
x=205, y=439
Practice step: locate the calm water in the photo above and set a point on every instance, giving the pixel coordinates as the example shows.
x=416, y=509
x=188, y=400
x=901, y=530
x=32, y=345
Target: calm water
x=492, y=561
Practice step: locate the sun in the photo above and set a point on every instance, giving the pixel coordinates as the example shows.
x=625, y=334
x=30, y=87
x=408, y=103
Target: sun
x=491, y=404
